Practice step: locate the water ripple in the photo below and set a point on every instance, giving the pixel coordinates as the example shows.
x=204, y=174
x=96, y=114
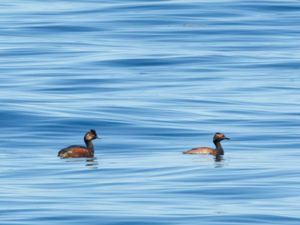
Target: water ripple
x=154, y=78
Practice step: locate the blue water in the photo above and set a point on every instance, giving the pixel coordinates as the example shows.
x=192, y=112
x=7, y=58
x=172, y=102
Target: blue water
x=154, y=78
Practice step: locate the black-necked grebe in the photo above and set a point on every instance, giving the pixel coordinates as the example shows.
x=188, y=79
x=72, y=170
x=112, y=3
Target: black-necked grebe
x=76, y=151
x=218, y=137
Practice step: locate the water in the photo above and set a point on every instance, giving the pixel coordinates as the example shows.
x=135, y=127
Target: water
x=154, y=78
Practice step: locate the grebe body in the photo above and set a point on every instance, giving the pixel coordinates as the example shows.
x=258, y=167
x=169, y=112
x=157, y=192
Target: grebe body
x=218, y=137
x=77, y=151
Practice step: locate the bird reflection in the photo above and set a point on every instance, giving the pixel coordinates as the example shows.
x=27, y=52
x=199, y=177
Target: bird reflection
x=219, y=161
x=219, y=158
x=91, y=163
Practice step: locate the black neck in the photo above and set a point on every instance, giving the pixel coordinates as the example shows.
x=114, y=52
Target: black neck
x=89, y=145
x=219, y=147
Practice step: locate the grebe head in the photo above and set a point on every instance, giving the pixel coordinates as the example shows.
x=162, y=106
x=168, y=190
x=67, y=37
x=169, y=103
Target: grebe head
x=220, y=137
x=90, y=135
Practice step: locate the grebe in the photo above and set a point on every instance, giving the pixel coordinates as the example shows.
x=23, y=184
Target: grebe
x=76, y=151
x=218, y=137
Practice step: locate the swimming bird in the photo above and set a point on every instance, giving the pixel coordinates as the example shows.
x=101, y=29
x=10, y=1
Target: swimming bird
x=77, y=151
x=218, y=137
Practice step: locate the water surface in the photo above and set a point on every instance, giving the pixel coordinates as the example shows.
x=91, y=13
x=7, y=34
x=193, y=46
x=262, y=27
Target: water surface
x=153, y=78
